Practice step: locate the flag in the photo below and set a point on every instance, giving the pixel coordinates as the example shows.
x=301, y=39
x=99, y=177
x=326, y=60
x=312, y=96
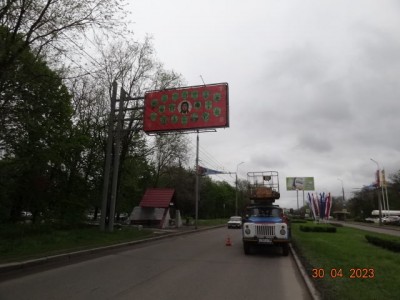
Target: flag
x=202, y=171
x=378, y=178
x=322, y=201
x=328, y=206
x=311, y=204
x=316, y=204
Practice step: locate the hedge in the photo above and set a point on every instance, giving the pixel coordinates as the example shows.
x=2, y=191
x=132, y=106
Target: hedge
x=317, y=229
x=390, y=244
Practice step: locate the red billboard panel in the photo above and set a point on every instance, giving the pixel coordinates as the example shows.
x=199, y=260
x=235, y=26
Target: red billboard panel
x=188, y=108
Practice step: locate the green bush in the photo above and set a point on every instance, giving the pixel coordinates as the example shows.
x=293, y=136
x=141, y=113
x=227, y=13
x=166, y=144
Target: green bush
x=389, y=244
x=317, y=229
x=298, y=221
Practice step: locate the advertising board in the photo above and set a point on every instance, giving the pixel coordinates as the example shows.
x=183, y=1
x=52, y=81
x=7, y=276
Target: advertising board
x=300, y=183
x=188, y=108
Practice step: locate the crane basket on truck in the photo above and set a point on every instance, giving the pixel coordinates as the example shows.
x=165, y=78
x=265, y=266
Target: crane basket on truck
x=264, y=223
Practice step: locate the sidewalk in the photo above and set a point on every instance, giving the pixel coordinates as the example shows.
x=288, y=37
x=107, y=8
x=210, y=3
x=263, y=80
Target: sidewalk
x=386, y=229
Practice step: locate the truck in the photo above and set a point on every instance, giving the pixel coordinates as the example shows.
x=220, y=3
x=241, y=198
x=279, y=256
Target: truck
x=264, y=222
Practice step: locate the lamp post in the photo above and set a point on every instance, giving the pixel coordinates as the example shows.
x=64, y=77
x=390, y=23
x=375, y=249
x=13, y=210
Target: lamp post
x=236, y=189
x=379, y=197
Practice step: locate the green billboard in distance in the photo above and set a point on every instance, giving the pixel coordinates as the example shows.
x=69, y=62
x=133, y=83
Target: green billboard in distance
x=300, y=183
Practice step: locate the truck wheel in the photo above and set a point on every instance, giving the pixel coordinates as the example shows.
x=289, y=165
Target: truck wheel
x=285, y=249
x=246, y=248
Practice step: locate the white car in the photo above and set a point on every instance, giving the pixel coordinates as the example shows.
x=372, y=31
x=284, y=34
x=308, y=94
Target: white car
x=391, y=219
x=235, y=222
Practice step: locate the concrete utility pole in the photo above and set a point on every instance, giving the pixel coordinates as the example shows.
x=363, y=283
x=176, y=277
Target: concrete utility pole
x=117, y=153
x=107, y=167
x=344, y=200
x=115, y=136
x=236, y=189
x=380, y=199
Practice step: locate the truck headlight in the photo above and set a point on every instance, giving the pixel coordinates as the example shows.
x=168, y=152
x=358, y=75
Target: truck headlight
x=282, y=231
x=247, y=231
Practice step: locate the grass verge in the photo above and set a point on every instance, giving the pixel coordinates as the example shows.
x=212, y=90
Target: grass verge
x=23, y=242
x=19, y=242
x=343, y=265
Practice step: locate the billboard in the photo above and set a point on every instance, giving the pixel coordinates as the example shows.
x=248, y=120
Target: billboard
x=188, y=108
x=300, y=183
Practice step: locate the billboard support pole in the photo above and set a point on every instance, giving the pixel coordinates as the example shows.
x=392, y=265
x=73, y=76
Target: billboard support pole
x=117, y=153
x=297, y=193
x=197, y=182
x=104, y=217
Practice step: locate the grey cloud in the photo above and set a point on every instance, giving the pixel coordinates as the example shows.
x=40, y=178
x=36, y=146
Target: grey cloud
x=314, y=143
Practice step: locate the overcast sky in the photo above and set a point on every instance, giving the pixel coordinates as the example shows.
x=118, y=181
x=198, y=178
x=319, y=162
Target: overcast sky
x=314, y=86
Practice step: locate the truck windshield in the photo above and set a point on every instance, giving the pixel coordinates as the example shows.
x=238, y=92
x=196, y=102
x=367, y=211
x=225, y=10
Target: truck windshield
x=264, y=212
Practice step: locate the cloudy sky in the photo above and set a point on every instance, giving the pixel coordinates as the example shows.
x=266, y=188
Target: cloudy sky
x=314, y=85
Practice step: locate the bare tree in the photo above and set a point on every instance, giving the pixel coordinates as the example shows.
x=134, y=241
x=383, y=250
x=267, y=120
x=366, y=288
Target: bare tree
x=169, y=151
x=44, y=23
x=134, y=66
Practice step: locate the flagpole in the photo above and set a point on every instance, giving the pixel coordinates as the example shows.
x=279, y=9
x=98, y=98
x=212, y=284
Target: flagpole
x=384, y=189
x=197, y=182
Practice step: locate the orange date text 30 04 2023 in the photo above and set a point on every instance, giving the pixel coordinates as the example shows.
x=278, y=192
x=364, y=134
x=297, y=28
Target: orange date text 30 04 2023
x=352, y=273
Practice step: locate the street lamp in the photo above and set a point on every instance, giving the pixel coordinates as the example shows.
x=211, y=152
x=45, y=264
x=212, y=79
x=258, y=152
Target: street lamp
x=236, y=200
x=379, y=170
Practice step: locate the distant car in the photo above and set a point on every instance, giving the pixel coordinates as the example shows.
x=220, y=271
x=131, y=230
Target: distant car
x=26, y=214
x=235, y=222
x=391, y=220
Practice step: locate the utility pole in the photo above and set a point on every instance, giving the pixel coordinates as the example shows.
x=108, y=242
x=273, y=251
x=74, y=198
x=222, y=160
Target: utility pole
x=344, y=200
x=380, y=199
x=114, y=141
x=236, y=189
x=117, y=153
x=197, y=182
x=106, y=177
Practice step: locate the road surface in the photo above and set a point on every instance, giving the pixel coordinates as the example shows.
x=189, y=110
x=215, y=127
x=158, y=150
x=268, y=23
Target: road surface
x=194, y=266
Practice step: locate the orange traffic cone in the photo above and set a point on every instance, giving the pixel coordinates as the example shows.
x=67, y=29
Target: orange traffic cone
x=228, y=241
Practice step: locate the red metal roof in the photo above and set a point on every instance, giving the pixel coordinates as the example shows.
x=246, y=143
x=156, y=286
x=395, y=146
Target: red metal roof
x=157, y=197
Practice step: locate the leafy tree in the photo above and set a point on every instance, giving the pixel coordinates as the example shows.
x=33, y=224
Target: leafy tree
x=35, y=119
x=133, y=65
x=366, y=200
x=394, y=191
x=136, y=175
x=86, y=158
x=169, y=150
x=242, y=194
x=363, y=203
x=183, y=181
x=217, y=199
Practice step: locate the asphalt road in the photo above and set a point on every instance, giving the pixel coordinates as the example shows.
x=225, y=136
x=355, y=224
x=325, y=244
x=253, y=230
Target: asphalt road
x=193, y=266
